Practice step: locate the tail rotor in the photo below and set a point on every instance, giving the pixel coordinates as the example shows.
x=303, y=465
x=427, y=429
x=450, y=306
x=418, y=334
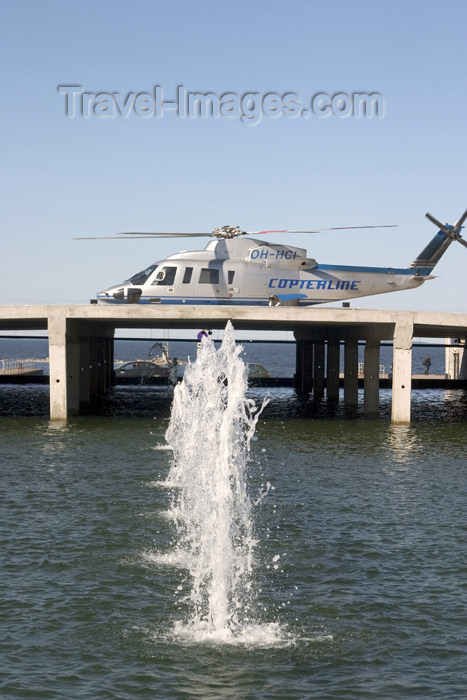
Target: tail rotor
x=451, y=232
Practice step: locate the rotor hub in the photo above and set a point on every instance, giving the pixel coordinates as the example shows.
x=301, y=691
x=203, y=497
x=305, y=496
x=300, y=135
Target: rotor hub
x=227, y=232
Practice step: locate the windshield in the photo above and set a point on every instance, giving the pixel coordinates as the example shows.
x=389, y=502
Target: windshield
x=141, y=277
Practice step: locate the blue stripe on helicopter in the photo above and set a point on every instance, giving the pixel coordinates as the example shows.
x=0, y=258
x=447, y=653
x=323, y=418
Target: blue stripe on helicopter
x=217, y=302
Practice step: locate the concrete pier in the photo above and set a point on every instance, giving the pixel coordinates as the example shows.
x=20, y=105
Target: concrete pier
x=456, y=359
x=371, y=377
x=351, y=372
x=81, y=345
x=402, y=371
x=332, y=367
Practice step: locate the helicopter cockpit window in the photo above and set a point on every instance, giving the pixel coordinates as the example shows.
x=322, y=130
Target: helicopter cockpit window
x=166, y=276
x=230, y=276
x=141, y=277
x=187, y=275
x=209, y=275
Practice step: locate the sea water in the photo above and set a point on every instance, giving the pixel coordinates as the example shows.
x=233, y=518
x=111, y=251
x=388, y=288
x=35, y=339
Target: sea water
x=354, y=555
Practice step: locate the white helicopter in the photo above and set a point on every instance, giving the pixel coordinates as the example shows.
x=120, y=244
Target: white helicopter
x=233, y=270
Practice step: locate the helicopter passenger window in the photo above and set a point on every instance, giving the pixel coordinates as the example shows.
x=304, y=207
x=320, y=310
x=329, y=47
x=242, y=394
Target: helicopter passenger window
x=209, y=275
x=187, y=275
x=166, y=276
x=230, y=276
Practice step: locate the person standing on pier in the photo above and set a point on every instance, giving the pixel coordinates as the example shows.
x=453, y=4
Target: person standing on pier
x=427, y=363
x=202, y=334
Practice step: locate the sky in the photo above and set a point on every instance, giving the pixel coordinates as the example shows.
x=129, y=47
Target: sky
x=83, y=166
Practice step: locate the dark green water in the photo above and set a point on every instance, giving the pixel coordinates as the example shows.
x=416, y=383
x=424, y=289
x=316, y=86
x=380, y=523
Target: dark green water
x=360, y=559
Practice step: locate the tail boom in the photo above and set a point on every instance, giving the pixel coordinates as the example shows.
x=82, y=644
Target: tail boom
x=431, y=254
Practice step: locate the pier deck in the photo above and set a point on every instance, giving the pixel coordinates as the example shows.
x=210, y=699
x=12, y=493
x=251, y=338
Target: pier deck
x=81, y=344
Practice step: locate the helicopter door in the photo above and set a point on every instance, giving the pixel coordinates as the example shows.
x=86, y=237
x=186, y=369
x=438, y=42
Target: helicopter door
x=218, y=282
x=185, y=283
x=234, y=282
x=210, y=282
x=165, y=279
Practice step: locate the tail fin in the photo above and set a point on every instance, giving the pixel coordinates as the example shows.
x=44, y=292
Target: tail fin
x=433, y=252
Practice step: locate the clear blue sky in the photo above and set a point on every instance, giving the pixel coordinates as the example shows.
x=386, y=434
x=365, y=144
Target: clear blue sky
x=64, y=177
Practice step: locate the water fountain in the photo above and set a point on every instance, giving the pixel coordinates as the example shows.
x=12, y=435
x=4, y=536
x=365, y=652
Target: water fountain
x=211, y=427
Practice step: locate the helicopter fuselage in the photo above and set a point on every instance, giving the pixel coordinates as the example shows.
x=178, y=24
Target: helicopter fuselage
x=247, y=271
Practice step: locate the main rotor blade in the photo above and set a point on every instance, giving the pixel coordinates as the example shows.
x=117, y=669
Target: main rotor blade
x=142, y=234
x=318, y=230
x=162, y=234
x=461, y=240
x=134, y=234
x=344, y=228
x=284, y=230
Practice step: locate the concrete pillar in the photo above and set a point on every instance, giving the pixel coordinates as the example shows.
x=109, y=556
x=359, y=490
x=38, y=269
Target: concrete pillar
x=332, y=371
x=318, y=370
x=103, y=362
x=455, y=359
x=73, y=365
x=84, y=369
x=351, y=372
x=402, y=371
x=371, y=377
x=298, y=376
x=303, y=379
x=56, y=326
x=96, y=364
x=110, y=355
x=81, y=364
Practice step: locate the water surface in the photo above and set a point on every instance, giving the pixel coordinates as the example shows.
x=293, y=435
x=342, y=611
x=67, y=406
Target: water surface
x=360, y=560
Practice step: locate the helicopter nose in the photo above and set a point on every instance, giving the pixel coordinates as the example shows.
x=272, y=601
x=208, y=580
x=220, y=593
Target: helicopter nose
x=130, y=295
x=111, y=294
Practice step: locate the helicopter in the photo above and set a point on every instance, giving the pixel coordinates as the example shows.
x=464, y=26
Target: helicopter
x=237, y=270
